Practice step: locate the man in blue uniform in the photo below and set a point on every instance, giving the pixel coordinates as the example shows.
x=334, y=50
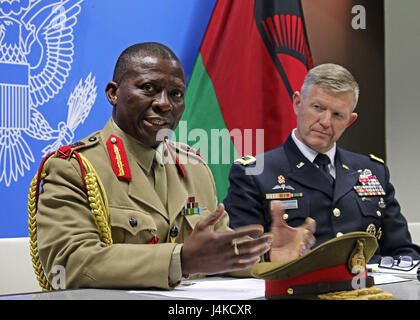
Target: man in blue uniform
x=312, y=177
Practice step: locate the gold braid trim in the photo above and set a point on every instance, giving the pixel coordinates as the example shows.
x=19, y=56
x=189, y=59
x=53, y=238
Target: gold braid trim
x=98, y=202
x=32, y=209
x=372, y=293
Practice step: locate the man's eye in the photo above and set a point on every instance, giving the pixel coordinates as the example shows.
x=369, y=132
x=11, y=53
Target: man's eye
x=177, y=94
x=147, y=87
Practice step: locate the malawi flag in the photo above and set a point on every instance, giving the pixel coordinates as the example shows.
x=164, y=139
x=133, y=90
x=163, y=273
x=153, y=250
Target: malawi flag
x=253, y=56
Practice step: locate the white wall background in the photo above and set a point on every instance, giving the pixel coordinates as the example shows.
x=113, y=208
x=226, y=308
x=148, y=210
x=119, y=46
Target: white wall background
x=402, y=96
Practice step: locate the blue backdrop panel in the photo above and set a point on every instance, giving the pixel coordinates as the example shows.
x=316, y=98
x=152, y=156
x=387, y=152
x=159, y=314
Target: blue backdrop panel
x=56, y=57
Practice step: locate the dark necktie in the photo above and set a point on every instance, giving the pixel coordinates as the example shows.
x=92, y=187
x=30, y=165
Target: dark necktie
x=322, y=161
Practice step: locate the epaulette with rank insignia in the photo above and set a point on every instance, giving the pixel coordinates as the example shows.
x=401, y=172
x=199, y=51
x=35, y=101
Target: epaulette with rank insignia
x=246, y=160
x=76, y=144
x=118, y=156
x=188, y=149
x=373, y=157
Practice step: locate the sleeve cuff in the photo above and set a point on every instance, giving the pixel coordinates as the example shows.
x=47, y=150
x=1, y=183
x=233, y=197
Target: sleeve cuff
x=175, y=271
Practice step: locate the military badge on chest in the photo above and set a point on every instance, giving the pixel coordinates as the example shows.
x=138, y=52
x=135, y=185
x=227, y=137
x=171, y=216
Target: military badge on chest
x=285, y=197
x=369, y=185
x=191, y=207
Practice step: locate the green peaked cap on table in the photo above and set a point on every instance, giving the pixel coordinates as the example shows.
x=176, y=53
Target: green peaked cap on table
x=332, y=266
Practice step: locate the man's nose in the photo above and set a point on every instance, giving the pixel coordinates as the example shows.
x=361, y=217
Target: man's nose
x=162, y=102
x=325, y=119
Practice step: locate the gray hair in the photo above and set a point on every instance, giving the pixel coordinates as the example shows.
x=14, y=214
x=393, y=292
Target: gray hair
x=332, y=77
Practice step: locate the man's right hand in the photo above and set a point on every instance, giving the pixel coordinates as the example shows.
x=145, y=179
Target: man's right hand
x=207, y=251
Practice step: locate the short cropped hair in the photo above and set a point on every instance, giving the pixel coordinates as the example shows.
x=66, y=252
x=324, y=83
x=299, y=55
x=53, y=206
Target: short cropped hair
x=332, y=77
x=154, y=49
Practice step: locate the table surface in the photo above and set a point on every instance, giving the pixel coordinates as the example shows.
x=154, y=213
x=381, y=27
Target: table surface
x=409, y=290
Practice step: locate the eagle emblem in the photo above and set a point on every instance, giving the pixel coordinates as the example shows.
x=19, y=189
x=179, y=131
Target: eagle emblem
x=36, y=54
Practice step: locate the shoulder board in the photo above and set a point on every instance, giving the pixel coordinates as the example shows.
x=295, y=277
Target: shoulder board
x=66, y=151
x=187, y=149
x=373, y=157
x=246, y=160
x=118, y=157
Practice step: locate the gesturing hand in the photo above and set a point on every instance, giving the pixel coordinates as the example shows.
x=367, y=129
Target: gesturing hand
x=208, y=252
x=289, y=243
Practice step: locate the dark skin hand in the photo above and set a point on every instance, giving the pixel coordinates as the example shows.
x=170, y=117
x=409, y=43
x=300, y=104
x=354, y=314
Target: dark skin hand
x=209, y=252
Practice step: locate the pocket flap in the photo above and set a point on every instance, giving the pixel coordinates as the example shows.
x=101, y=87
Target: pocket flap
x=369, y=206
x=131, y=220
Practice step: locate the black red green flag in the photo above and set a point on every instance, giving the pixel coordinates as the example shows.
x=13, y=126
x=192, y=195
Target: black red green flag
x=253, y=56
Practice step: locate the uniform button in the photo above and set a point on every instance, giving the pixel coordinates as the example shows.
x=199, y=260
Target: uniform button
x=174, y=232
x=339, y=234
x=336, y=212
x=113, y=140
x=378, y=213
x=92, y=139
x=285, y=216
x=133, y=222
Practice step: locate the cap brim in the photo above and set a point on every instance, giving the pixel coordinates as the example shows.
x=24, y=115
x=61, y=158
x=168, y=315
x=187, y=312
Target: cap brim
x=331, y=253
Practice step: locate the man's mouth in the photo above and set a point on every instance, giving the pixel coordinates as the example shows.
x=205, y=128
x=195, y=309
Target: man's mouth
x=320, y=133
x=156, y=122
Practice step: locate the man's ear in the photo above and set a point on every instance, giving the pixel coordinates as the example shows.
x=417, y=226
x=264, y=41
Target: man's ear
x=353, y=118
x=111, y=92
x=297, y=97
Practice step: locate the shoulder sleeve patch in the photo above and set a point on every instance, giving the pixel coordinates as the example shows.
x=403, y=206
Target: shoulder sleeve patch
x=246, y=160
x=373, y=157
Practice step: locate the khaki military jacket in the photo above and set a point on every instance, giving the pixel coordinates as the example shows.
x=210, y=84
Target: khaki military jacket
x=68, y=236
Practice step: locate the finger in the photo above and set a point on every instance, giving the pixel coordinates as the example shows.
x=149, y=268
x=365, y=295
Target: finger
x=277, y=213
x=310, y=239
x=310, y=224
x=245, y=263
x=212, y=219
x=252, y=248
x=253, y=231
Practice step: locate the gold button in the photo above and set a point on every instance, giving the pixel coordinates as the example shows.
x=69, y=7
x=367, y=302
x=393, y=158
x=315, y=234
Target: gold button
x=285, y=216
x=339, y=234
x=336, y=212
x=378, y=213
x=290, y=291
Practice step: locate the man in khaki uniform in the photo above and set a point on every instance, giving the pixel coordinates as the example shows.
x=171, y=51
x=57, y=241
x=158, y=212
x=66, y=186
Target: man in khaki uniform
x=163, y=210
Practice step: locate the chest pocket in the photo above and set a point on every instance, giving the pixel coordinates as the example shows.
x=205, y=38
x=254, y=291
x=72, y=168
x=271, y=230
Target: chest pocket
x=294, y=215
x=370, y=209
x=131, y=226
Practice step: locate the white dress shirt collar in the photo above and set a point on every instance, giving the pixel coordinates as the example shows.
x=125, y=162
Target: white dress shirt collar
x=310, y=154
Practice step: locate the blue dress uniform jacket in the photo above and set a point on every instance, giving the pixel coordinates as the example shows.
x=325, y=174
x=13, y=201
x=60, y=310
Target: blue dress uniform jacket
x=337, y=209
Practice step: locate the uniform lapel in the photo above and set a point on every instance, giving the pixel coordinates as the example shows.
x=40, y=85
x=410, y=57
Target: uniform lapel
x=303, y=171
x=346, y=177
x=177, y=194
x=139, y=188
